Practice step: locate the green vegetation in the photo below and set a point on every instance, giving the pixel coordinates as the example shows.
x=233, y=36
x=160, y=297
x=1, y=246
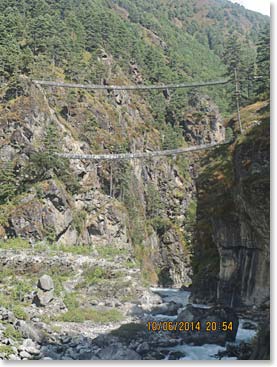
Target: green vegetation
x=11, y=332
x=93, y=276
x=76, y=313
x=6, y=349
x=39, y=37
x=263, y=64
x=154, y=204
x=45, y=161
x=15, y=243
x=71, y=300
x=88, y=314
x=20, y=313
x=110, y=251
x=8, y=181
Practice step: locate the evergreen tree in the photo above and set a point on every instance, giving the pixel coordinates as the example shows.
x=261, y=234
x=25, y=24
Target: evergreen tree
x=46, y=164
x=263, y=64
x=8, y=181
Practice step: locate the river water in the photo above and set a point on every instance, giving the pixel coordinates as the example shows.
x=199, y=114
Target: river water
x=205, y=351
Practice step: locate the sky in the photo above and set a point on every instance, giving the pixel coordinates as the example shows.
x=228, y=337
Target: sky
x=262, y=6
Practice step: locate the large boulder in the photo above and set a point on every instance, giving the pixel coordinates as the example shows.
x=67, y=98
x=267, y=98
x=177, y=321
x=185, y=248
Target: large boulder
x=214, y=325
x=45, y=283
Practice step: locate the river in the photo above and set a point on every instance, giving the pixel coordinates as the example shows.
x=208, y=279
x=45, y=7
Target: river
x=190, y=351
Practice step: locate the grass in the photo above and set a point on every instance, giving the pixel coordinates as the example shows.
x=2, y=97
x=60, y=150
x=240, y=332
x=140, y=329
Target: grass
x=6, y=349
x=87, y=314
x=14, y=243
x=11, y=332
x=92, y=276
x=20, y=313
x=109, y=252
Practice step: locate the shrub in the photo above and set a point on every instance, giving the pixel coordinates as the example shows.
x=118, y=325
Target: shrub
x=20, y=313
x=11, y=332
x=93, y=276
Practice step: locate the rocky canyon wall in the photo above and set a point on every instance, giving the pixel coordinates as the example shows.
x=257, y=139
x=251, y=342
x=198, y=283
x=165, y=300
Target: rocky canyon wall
x=232, y=244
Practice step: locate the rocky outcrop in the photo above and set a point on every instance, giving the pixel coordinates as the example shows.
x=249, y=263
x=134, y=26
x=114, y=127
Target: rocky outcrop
x=233, y=222
x=138, y=203
x=202, y=123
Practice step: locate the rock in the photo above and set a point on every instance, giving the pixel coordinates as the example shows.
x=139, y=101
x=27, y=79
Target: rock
x=149, y=299
x=237, y=242
x=85, y=354
x=29, y=346
x=42, y=298
x=143, y=348
x=175, y=355
x=24, y=354
x=241, y=351
x=170, y=309
x=28, y=330
x=249, y=325
x=185, y=315
x=118, y=352
x=66, y=339
x=45, y=283
x=7, y=315
x=217, y=314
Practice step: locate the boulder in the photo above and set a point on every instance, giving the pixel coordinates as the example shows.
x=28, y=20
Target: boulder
x=170, y=309
x=216, y=315
x=45, y=283
x=118, y=352
x=42, y=299
x=249, y=325
x=29, y=331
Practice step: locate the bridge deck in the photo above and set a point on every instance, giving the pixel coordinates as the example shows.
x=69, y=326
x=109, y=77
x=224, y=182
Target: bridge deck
x=138, y=155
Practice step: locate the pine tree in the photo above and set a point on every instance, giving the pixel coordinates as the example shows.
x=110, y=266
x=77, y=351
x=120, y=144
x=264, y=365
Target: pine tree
x=232, y=55
x=263, y=64
x=8, y=181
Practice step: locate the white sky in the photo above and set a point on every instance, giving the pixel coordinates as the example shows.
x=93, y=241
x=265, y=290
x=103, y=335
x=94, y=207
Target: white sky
x=262, y=6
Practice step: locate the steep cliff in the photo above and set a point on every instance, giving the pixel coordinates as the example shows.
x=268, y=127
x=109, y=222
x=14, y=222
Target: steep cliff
x=141, y=206
x=231, y=263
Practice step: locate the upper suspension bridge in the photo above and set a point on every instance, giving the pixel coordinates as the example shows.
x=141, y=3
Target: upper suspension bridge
x=48, y=83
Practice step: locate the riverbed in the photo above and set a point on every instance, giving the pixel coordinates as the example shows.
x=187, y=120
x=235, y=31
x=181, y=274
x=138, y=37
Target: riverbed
x=195, y=352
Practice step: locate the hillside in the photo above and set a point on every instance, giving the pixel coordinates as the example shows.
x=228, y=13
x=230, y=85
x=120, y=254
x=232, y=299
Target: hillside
x=82, y=243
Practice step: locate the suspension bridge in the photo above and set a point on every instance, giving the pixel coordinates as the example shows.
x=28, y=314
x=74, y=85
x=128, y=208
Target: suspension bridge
x=135, y=155
x=48, y=83
x=138, y=155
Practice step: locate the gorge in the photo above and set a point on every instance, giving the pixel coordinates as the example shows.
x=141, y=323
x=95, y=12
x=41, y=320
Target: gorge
x=92, y=251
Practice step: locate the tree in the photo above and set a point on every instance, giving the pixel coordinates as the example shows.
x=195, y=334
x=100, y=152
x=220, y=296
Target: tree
x=263, y=64
x=232, y=55
x=8, y=181
x=46, y=163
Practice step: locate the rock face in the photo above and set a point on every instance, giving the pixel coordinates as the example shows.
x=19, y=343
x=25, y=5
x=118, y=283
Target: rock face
x=203, y=123
x=232, y=240
x=131, y=204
